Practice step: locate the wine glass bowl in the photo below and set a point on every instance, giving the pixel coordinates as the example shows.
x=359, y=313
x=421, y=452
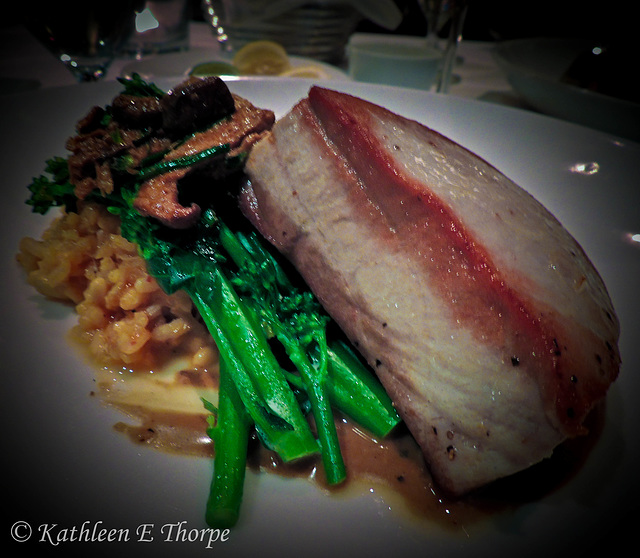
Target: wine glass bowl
x=84, y=35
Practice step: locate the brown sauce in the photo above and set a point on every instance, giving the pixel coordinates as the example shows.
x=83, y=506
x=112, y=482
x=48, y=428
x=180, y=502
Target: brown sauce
x=172, y=432
x=393, y=467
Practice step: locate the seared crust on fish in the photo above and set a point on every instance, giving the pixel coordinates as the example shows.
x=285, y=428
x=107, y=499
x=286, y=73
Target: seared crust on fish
x=482, y=316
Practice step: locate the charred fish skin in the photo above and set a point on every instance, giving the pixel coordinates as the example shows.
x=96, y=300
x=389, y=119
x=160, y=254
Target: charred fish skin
x=482, y=316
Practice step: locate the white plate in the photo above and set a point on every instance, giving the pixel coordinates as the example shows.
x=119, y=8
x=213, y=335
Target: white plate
x=64, y=464
x=179, y=64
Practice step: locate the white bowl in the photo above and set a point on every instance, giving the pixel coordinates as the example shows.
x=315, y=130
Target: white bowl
x=534, y=68
x=399, y=60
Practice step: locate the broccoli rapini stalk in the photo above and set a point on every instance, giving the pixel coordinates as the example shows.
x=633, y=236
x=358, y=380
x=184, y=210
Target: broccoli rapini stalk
x=247, y=302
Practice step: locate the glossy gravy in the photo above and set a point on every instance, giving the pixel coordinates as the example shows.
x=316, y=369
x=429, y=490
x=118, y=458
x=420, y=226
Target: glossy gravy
x=165, y=412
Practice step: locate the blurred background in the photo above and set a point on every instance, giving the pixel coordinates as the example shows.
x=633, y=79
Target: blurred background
x=504, y=51
x=489, y=20
x=499, y=20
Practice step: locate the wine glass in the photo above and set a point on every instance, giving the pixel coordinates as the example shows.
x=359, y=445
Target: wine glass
x=438, y=13
x=85, y=35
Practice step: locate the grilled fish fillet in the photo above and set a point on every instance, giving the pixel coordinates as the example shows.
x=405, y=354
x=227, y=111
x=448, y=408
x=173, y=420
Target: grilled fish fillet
x=482, y=316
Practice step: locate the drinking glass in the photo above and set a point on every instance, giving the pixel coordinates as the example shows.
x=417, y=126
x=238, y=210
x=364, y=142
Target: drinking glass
x=85, y=35
x=161, y=26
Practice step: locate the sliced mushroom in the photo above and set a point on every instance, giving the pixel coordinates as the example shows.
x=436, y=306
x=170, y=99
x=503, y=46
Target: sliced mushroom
x=195, y=104
x=158, y=198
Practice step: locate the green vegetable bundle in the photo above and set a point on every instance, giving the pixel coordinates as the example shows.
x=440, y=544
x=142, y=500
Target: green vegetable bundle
x=249, y=305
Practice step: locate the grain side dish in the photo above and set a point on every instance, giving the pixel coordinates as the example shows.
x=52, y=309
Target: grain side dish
x=123, y=315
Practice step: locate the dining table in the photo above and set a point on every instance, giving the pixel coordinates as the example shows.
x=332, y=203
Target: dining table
x=65, y=462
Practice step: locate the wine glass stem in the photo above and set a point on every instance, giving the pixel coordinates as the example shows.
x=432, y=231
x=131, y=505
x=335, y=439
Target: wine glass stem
x=459, y=11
